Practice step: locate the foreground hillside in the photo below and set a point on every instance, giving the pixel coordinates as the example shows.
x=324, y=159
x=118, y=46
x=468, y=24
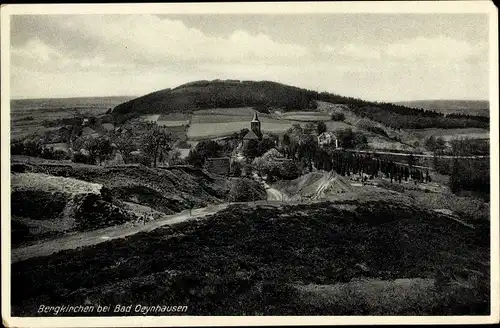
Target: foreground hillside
x=50, y=198
x=349, y=256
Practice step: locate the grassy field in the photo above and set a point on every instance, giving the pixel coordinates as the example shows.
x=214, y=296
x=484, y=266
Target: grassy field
x=306, y=116
x=219, y=122
x=450, y=134
x=27, y=115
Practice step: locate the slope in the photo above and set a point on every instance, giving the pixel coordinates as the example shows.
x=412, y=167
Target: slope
x=466, y=107
x=50, y=199
x=266, y=95
x=211, y=94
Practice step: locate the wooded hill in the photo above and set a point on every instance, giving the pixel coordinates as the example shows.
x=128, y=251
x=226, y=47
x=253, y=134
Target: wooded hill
x=266, y=95
x=445, y=106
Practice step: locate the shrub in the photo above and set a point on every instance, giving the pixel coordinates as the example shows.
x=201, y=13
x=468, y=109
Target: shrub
x=470, y=174
x=320, y=127
x=141, y=159
x=244, y=190
x=337, y=116
x=236, y=169
x=56, y=154
x=81, y=158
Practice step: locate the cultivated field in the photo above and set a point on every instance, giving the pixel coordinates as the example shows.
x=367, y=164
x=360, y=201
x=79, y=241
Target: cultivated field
x=306, y=116
x=220, y=122
x=27, y=115
x=450, y=134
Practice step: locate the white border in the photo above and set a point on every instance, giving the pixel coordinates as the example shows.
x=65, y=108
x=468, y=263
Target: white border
x=400, y=7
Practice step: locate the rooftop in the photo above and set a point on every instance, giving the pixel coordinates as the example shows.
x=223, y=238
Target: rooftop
x=250, y=136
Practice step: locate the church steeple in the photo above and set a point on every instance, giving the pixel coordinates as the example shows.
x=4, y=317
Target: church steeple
x=255, y=117
x=255, y=125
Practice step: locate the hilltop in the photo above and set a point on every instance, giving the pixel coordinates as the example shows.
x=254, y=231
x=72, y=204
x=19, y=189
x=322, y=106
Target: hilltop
x=266, y=96
x=210, y=94
x=467, y=107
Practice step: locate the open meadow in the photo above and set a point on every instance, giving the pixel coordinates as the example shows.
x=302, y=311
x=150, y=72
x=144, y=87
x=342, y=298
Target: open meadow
x=27, y=116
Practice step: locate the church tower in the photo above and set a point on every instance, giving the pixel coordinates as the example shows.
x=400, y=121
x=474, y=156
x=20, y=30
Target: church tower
x=255, y=126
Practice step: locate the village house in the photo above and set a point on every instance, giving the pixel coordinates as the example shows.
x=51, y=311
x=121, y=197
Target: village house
x=328, y=138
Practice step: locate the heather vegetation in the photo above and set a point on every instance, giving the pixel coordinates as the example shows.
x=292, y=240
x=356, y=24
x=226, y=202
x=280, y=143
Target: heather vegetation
x=255, y=261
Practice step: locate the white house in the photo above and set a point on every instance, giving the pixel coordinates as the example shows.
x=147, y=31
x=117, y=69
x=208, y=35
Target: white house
x=328, y=138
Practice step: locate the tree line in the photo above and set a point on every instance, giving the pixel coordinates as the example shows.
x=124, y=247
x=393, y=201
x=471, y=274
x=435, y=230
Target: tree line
x=152, y=146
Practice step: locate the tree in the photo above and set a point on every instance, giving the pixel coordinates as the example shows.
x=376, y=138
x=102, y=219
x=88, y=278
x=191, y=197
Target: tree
x=99, y=148
x=307, y=149
x=156, y=141
x=274, y=138
x=251, y=149
x=321, y=127
x=455, y=183
x=236, y=169
x=436, y=145
x=265, y=145
x=30, y=146
x=203, y=150
x=346, y=138
x=337, y=116
x=309, y=128
x=126, y=146
x=430, y=143
x=440, y=145
x=172, y=157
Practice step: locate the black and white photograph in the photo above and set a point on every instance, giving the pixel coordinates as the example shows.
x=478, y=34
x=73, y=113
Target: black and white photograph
x=321, y=160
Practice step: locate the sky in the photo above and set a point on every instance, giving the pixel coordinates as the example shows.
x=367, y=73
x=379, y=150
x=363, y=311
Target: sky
x=378, y=57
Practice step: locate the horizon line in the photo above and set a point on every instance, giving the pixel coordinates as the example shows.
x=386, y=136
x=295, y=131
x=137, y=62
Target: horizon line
x=135, y=96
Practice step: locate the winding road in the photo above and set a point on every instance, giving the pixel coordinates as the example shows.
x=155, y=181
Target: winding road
x=82, y=239
x=89, y=238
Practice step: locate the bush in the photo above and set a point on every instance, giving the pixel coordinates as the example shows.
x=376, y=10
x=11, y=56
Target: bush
x=337, y=116
x=245, y=190
x=141, y=159
x=470, y=174
x=31, y=146
x=320, y=127
x=203, y=150
x=81, y=158
x=236, y=169
x=349, y=139
x=282, y=170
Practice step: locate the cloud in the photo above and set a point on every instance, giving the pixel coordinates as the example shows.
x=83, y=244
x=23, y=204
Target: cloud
x=135, y=41
x=352, y=51
x=135, y=54
x=360, y=51
x=438, y=48
x=329, y=49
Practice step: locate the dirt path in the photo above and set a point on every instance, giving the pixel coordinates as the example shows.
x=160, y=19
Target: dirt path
x=272, y=193
x=275, y=194
x=83, y=239
x=94, y=237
